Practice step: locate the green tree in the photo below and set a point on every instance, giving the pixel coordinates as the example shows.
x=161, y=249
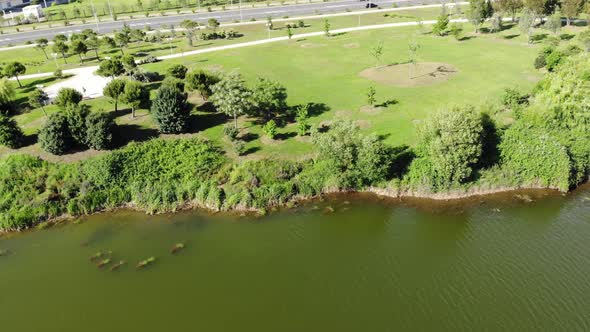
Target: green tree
x=479, y=11
x=177, y=71
x=377, y=53
x=449, y=147
x=526, y=24
x=76, y=118
x=111, y=68
x=55, y=137
x=302, y=117
x=371, y=95
x=38, y=99
x=269, y=99
x=509, y=7
x=134, y=95
x=327, y=28
x=122, y=39
x=231, y=96
x=191, y=28
x=455, y=30
x=553, y=23
x=270, y=129
x=99, y=130
x=440, y=27
x=10, y=133
x=41, y=44
x=289, y=32
x=213, y=24
x=170, y=110
x=114, y=89
x=7, y=95
x=79, y=47
x=61, y=48
x=128, y=62
x=202, y=82
x=13, y=69
x=93, y=44
x=496, y=24
x=536, y=8
x=571, y=9
x=67, y=96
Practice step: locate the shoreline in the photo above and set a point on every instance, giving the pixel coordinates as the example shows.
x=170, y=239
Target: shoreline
x=451, y=196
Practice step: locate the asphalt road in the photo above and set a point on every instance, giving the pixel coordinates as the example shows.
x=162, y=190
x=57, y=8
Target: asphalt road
x=223, y=16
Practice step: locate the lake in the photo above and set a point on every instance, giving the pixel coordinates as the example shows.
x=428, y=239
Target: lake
x=511, y=262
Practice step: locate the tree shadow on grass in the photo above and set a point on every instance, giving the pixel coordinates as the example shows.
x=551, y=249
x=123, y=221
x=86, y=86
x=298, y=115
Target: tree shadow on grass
x=466, y=38
x=285, y=136
x=512, y=36
x=566, y=36
x=251, y=150
x=249, y=137
x=200, y=122
x=29, y=140
x=402, y=160
x=537, y=38
x=126, y=133
x=388, y=103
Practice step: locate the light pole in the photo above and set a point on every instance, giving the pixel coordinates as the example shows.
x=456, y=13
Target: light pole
x=95, y=17
x=241, y=17
x=110, y=9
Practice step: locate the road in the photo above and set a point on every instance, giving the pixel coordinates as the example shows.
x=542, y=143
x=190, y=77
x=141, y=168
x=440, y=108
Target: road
x=223, y=16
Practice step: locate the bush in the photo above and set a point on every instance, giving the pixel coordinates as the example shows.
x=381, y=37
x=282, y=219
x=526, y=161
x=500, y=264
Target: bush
x=231, y=132
x=100, y=127
x=512, y=98
x=55, y=136
x=270, y=129
x=177, y=71
x=76, y=119
x=10, y=133
x=67, y=96
x=553, y=60
x=540, y=61
x=170, y=111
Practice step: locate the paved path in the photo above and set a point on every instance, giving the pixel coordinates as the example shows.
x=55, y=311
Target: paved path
x=223, y=16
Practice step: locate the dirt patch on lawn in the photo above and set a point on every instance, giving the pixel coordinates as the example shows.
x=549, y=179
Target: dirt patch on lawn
x=311, y=45
x=351, y=45
x=409, y=75
x=371, y=109
x=363, y=124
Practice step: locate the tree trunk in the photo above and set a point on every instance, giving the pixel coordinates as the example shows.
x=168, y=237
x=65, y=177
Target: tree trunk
x=45, y=54
x=43, y=109
x=96, y=52
x=116, y=102
x=133, y=112
x=20, y=85
x=63, y=55
x=80, y=55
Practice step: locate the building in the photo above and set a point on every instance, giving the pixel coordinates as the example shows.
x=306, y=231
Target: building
x=7, y=4
x=33, y=11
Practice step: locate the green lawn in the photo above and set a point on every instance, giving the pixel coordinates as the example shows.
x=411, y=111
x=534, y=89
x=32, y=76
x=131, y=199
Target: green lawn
x=326, y=71
x=36, y=62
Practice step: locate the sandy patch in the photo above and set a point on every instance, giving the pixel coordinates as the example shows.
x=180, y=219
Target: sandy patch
x=343, y=114
x=311, y=45
x=371, y=109
x=304, y=139
x=351, y=45
x=269, y=141
x=363, y=124
x=408, y=75
x=215, y=68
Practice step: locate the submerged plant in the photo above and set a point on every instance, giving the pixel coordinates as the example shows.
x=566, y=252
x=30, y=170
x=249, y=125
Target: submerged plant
x=146, y=262
x=118, y=265
x=177, y=247
x=96, y=256
x=104, y=262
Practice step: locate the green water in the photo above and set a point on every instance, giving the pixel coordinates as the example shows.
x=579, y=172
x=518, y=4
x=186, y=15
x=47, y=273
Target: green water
x=499, y=264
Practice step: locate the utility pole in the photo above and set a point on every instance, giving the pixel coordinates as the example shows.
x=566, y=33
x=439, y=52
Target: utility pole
x=241, y=16
x=95, y=17
x=110, y=9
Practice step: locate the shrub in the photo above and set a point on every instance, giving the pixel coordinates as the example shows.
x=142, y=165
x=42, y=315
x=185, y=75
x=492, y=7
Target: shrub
x=540, y=61
x=178, y=71
x=231, y=132
x=170, y=111
x=67, y=96
x=554, y=59
x=99, y=130
x=76, y=119
x=270, y=129
x=55, y=136
x=10, y=133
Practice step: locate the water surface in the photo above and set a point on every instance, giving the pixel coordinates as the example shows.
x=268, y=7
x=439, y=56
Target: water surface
x=500, y=263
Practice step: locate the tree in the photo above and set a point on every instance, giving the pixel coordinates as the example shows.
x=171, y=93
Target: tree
x=327, y=28
x=109, y=42
x=377, y=52
x=134, y=95
x=449, y=147
x=231, y=96
x=478, y=12
x=93, y=44
x=136, y=35
x=571, y=9
x=170, y=111
x=509, y=7
x=455, y=30
x=60, y=38
x=110, y=68
x=62, y=48
x=553, y=23
x=302, y=116
x=76, y=118
x=371, y=95
x=526, y=23
x=413, y=48
x=128, y=62
x=122, y=39
x=357, y=159
x=536, y=8
x=496, y=24
x=7, y=95
x=114, y=89
x=13, y=69
x=41, y=44
x=177, y=71
x=202, y=82
x=270, y=129
x=10, y=133
x=79, y=47
x=269, y=98
x=213, y=24
x=55, y=137
x=191, y=27
x=99, y=130
x=67, y=96
x=440, y=27
x=289, y=32
x=38, y=98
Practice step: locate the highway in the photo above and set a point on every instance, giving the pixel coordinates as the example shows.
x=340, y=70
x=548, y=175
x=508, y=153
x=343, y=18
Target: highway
x=228, y=16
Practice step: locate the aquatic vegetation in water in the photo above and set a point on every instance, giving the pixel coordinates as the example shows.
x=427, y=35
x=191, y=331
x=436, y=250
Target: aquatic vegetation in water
x=96, y=256
x=104, y=262
x=4, y=252
x=177, y=247
x=118, y=265
x=146, y=262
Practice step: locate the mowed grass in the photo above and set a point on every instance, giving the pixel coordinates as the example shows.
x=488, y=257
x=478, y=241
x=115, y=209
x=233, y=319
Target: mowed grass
x=325, y=71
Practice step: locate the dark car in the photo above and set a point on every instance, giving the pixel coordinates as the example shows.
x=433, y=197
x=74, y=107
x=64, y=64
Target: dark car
x=371, y=5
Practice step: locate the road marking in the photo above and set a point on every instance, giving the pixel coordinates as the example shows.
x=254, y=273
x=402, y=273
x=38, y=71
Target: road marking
x=337, y=6
x=275, y=12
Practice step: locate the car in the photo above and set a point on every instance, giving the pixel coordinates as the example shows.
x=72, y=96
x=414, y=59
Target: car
x=371, y=5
